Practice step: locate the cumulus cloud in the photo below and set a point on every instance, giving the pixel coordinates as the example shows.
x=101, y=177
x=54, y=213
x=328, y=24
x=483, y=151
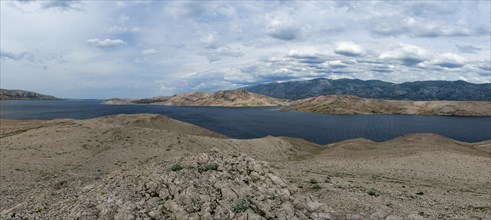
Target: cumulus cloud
x=308, y=55
x=411, y=55
x=285, y=33
x=228, y=44
x=348, y=49
x=283, y=29
x=449, y=60
x=107, y=43
x=407, y=54
x=337, y=64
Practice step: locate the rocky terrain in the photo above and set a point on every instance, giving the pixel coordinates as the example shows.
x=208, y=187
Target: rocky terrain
x=144, y=167
x=231, y=98
x=6, y=94
x=205, y=186
x=376, y=89
x=344, y=104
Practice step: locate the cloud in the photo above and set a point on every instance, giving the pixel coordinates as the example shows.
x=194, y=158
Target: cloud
x=422, y=19
x=449, y=60
x=285, y=33
x=467, y=48
x=217, y=54
x=107, y=43
x=414, y=28
x=209, y=40
x=348, y=49
x=150, y=51
x=62, y=4
x=337, y=64
x=485, y=65
x=307, y=55
x=283, y=29
x=121, y=29
x=228, y=44
x=17, y=56
x=407, y=54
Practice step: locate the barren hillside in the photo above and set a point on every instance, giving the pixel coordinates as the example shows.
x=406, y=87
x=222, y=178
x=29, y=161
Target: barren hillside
x=231, y=98
x=124, y=164
x=344, y=104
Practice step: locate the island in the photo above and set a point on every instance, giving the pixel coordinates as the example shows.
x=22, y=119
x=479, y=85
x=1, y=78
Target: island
x=8, y=94
x=228, y=98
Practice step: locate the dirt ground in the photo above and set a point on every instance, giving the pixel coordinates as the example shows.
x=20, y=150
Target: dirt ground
x=410, y=177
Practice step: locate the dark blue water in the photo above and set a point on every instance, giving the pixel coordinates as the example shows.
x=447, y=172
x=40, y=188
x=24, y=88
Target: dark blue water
x=260, y=122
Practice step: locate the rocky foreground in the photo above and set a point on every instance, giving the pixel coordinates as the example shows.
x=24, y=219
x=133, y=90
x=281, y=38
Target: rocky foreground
x=152, y=167
x=345, y=104
x=230, y=98
x=205, y=186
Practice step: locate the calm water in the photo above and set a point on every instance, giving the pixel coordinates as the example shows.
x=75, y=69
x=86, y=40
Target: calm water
x=260, y=122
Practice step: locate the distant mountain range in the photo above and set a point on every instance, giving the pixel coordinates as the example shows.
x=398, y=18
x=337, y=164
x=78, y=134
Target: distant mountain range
x=7, y=94
x=346, y=104
x=232, y=98
x=422, y=90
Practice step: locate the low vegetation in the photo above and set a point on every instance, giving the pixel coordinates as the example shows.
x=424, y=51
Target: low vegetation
x=241, y=204
x=176, y=167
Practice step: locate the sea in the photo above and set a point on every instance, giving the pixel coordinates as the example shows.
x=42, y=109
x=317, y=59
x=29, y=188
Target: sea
x=257, y=122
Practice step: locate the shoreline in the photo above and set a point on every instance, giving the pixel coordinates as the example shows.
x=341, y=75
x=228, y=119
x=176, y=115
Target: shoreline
x=408, y=135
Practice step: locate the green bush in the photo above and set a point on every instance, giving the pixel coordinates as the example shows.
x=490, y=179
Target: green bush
x=313, y=181
x=372, y=192
x=316, y=186
x=241, y=204
x=176, y=167
x=210, y=166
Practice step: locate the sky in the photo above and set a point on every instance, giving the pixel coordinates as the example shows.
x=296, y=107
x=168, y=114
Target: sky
x=132, y=49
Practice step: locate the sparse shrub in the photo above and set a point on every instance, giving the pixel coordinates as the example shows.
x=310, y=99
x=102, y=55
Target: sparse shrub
x=313, y=181
x=241, y=204
x=316, y=186
x=210, y=166
x=176, y=167
x=372, y=192
x=420, y=193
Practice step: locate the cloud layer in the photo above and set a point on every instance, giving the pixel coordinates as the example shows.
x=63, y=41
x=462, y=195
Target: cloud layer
x=102, y=49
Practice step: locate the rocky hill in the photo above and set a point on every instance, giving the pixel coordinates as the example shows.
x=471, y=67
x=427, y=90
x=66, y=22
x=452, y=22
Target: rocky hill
x=232, y=98
x=6, y=94
x=143, y=166
x=205, y=186
x=422, y=90
x=345, y=104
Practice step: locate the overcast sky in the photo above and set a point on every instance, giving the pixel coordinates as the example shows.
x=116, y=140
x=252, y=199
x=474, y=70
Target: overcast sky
x=98, y=49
